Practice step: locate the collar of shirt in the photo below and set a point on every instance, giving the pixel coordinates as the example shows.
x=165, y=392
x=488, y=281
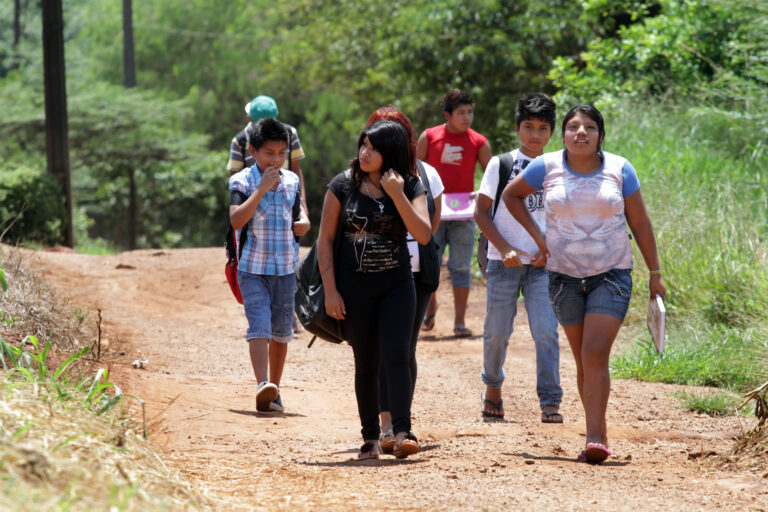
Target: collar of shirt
x=256, y=177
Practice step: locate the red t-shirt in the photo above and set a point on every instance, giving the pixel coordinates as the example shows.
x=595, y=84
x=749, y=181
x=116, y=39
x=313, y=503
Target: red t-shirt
x=454, y=155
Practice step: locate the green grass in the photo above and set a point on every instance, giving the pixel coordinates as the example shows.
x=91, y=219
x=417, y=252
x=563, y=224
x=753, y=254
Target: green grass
x=718, y=404
x=709, y=209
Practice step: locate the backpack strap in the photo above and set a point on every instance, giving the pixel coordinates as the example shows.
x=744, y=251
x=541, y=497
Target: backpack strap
x=425, y=182
x=506, y=163
x=242, y=141
x=290, y=138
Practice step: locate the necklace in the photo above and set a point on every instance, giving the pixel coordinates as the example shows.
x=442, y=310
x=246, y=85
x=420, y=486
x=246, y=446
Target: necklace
x=368, y=191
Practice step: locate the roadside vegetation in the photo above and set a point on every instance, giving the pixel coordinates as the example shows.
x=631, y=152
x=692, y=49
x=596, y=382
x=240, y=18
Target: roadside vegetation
x=66, y=442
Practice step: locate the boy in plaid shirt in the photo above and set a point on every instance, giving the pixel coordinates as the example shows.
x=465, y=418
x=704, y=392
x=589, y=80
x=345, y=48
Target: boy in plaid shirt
x=268, y=197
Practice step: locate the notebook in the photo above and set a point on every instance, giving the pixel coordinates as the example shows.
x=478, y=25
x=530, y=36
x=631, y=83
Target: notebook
x=458, y=206
x=656, y=320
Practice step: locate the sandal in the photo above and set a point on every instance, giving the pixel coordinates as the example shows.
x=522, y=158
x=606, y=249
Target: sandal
x=551, y=414
x=595, y=453
x=387, y=442
x=429, y=322
x=499, y=406
x=462, y=331
x=369, y=450
x=408, y=445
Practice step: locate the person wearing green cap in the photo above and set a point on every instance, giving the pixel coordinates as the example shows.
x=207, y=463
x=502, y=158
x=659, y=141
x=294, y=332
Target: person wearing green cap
x=239, y=156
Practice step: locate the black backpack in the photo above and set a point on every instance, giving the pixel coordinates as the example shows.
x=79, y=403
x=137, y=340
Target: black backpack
x=429, y=263
x=310, y=293
x=506, y=163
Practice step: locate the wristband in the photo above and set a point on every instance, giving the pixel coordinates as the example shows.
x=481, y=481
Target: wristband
x=654, y=272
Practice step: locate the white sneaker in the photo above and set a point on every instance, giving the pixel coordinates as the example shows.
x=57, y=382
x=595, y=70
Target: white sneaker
x=277, y=403
x=265, y=394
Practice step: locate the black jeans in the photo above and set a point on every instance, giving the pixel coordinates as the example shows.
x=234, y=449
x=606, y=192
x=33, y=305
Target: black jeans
x=422, y=302
x=380, y=315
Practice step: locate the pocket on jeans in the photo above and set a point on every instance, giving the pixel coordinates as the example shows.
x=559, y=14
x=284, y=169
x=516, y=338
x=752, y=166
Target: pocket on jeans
x=620, y=281
x=556, y=290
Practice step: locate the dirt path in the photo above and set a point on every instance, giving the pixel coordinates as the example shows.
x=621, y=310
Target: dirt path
x=174, y=309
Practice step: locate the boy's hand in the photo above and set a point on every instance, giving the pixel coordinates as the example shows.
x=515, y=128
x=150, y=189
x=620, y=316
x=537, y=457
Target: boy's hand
x=392, y=183
x=511, y=259
x=270, y=177
x=539, y=260
x=301, y=226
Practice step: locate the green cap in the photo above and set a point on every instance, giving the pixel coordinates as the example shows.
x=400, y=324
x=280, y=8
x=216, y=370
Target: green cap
x=261, y=107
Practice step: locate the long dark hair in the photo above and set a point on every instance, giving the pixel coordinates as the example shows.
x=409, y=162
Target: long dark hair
x=390, y=113
x=390, y=139
x=593, y=114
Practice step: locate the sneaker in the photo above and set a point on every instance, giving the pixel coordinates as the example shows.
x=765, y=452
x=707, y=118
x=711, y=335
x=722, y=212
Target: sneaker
x=265, y=395
x=277, y=404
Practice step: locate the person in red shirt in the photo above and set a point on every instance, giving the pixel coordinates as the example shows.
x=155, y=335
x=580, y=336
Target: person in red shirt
x=455, y=149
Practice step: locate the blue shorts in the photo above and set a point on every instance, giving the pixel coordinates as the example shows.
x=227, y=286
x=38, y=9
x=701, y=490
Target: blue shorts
x=268, y=302
x=574, y=297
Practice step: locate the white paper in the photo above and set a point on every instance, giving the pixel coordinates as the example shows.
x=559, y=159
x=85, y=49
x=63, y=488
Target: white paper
x=656, y=321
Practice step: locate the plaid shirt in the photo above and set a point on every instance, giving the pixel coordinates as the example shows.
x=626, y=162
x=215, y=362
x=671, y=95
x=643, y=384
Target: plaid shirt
x=271, y=248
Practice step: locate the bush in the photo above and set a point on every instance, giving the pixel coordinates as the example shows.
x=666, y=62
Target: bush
x=31, y=206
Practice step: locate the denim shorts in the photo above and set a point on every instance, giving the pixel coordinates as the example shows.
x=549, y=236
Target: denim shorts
x=574, y=297
x=268, y=302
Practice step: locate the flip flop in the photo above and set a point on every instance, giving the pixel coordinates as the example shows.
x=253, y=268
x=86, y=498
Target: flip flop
x=550, y=414
x=462, y=331
x=499, y=406
x=387, y=442
x=369, y=450
x=429, y=322
x=596, y=453
x=408, y=446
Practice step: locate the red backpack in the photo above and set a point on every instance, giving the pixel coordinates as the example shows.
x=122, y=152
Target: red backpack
x=234, y=251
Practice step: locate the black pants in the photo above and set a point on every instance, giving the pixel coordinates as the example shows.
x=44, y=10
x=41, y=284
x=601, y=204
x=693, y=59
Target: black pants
x=380, y=315
x=422, y=302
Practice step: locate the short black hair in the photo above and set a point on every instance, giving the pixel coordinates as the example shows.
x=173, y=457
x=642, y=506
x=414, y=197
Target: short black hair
x=593, y=114
x=455, y=98
x=536, y=105
x=265, y=130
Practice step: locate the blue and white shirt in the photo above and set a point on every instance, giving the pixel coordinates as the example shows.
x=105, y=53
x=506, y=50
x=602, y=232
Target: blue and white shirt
x=586, y=226
x=271, y=248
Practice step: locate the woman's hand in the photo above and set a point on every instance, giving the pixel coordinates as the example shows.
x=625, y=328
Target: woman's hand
x=656, y=286
x=334, y=305
x=392, y=183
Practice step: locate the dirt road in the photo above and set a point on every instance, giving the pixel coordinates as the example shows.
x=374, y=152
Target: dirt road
x=174, y=309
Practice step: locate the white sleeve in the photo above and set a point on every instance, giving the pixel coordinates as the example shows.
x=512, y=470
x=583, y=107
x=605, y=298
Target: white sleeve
x=435, y=183
x=490, y=181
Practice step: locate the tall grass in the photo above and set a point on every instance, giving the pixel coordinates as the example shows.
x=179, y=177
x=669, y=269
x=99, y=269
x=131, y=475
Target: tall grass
x=709, y=208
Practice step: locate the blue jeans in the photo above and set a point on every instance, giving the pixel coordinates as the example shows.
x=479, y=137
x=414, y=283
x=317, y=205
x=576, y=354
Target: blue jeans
x=503, y=288
x=460, y=235
x=269, y=305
